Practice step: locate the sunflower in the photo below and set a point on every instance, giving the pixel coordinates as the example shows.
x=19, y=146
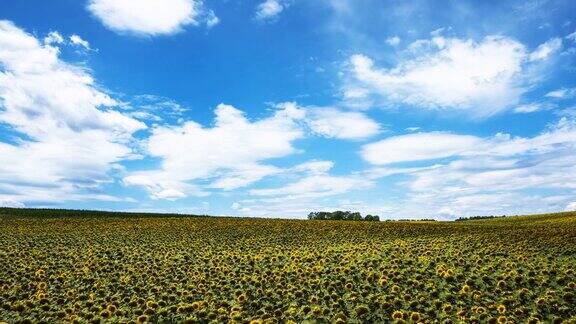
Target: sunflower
x=105, y=314
x=383, y=282
x=396, y=315
x=480, y=310
x=316, y=311
x=361, y=310
x=533, y=320
x=241, y=298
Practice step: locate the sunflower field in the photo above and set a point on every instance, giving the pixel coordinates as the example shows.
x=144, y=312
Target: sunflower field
x=225, y=270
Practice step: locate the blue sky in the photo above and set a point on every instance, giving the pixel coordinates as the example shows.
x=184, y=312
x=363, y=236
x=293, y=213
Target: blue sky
x=275, y=108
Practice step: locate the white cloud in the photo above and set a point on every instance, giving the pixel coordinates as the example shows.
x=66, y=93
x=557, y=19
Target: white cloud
x=571, y=206
x=314, y=167
x=77, y=40
x=168, y=190
x=481, y=78
x=415, y=147
x=563, y=93
x=11, y=203
x=53, y=37
x=315, y=186
x=243, y=176
x=211, y=19
x=229, y=154
x=333, y=123
x=68, y=139
x=299, y=207
x=572, y=36
x=546, y=49
x=393, y=41
x=269, y=9
x=491, y=175
x=528, y=108
x=146, y=17
x=315, y=189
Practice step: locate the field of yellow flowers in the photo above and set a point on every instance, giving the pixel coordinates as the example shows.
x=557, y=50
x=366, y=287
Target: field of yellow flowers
x=179, y=269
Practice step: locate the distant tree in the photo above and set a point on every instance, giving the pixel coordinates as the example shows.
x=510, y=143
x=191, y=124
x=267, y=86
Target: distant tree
x=341, y=215
x=478, y=218
x=372, y=218
x=355, y=216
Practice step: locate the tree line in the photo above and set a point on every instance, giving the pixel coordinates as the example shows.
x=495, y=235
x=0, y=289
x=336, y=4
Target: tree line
x=64, y=213
x=342, y=215
x=460, y=219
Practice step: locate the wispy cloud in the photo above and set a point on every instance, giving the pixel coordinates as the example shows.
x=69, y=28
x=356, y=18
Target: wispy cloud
x=482, y=170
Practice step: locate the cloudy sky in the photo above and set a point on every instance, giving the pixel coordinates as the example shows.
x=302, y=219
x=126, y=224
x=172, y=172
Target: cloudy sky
x=405, y=109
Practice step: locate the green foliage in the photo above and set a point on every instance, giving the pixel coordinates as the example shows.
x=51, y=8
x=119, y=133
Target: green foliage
x=460, y=219
x=225, y=270
x=341, y=215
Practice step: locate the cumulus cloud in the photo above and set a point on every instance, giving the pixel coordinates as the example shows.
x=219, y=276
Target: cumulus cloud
x=149, y=17
x=230, y=154
x=68, y=138
x=269, y=9
x=331, y=122
x=482, y=78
